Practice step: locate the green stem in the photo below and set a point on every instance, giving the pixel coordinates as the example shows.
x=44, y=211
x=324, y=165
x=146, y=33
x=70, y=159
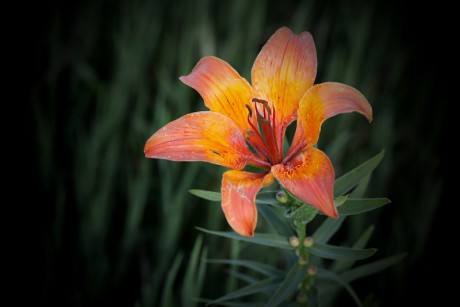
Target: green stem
x=301, y=229
x=303, y=258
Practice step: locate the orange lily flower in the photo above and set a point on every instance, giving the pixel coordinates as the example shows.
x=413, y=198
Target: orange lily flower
x=246, y=126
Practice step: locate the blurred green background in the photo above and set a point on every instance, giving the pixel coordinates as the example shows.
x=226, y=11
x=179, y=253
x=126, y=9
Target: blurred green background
x=117, y=228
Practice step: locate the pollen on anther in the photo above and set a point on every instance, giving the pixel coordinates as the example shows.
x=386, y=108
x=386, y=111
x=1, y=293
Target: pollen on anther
x=248, y=133
x=264, y=103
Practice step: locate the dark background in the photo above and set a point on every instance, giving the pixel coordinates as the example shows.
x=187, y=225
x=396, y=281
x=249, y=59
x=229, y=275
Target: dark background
x=107, y=223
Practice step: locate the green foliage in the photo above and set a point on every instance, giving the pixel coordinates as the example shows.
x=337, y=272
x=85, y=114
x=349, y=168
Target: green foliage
x=303, y=280
x=291, y=281
x=372, y=268
x=266, y=239
x=360, y=205
x=340, y=253
x=348, y=181
x=329, y=275
x=263, y=268
x=208, y=195
x=304, y=213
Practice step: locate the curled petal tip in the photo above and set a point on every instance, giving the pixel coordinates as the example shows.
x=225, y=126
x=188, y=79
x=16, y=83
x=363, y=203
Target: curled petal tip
x=339, y=98
x=147, y=154
x=370, y=118
x=323, y=101
x=247, y=233
x=148, y=148
x=333, y=213
x=328, y=208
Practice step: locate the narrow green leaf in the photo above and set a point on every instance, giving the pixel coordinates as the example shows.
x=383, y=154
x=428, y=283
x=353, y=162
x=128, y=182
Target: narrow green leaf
x=263, y=268
x=244, y=277
x=231, y=284
x=267, y=197
x=187, y=289
x=361, y=187
x=305, y=213
x=346, y=182
x=201, y=270
x=372, y=268
x=341, y=265
x=328, y=275
x=327, y=229
x=263, y=198
x=340, y=252
x=364, y=238
x=361, y=205
x=191, y=286
x=295, y=275
x=279, y=225
x=266, y=201
x=266, y=239
x=167, y=298
x=268, y=192
x=269, y=284
x=209, y=195
x=340, y=200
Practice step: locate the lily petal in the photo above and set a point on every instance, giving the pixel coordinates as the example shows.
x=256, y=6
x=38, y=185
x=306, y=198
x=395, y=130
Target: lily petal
x=239, y=190
x=284, y=69
x=200, y=136
x=310, y=177
x=222, y=88
x=321, y=102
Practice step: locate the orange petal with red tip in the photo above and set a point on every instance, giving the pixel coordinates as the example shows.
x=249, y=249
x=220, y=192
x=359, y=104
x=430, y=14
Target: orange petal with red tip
x=310, y=177
x=239, y=190
x=284, y=69
x=321, y=102
x=222, y=88
x=200, y=136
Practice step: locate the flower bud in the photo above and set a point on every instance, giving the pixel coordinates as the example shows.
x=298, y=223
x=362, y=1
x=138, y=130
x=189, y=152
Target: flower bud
x=303, y=260
x=308, y=242
x=312, y=270
x=282, y=197
x=294, y=241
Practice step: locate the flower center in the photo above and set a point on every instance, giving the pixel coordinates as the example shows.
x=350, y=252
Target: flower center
x=264, y=131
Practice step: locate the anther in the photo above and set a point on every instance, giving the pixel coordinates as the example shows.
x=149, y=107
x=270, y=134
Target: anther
x=249, y=110
x=248, y=134
x=265, y=104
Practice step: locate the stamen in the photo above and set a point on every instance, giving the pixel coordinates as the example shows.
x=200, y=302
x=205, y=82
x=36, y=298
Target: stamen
x=279, y=146
x=249, y=110
x=266, y=124
x=266, y=120
x=293, y=152
x=256, y=161
x=262, y=152
x=265, y=104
